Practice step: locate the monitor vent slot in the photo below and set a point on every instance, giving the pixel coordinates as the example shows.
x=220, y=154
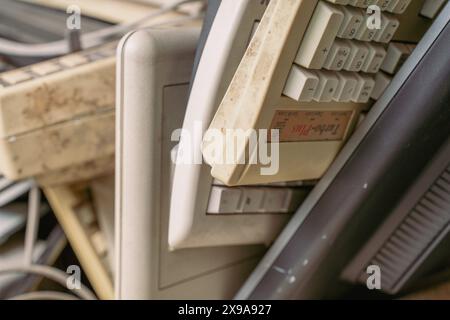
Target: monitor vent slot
x=415, y=237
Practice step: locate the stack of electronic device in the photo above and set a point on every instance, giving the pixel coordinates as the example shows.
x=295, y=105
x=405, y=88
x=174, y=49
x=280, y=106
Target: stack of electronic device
x=57, y=116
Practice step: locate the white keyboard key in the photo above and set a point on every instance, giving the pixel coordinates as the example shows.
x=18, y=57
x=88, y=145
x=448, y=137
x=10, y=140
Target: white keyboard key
x=363, y=89
x=365, y=33
x=328, y=83
x=389, y=26
x=275, y=200
x=224, y=200
x=353, y=18
x=397, y=53
x=391, y=7
x=338, y=56
x=385, y=4
x=301, y=84
x=346, y=87
x=358, y=56
x=431, y=8
x=320, y=36
x=400, y=7
x=382, y=81
x=251, y=200
x=375, y=58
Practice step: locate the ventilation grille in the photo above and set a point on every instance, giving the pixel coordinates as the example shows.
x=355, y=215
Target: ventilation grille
x=415, y=237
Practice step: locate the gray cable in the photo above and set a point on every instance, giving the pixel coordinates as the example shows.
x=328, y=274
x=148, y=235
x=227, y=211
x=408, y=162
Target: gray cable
x=88, y=40
x=34, y=201
x=5, y=183
x=51, y=273
x=15, y=191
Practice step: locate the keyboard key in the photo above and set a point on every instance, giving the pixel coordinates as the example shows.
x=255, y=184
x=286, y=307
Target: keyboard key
x=396, y=55
x=15, y=76
x=251, y=200
x=363, y=89
x=320, y=36
x=358, y=55
x=73, y=60
x=375, y=58
x=366, y=32
x=382, y=81
x=338, y=56
x=328, y=83
x=385, y=4
x=301, y=84
x=400, y=7
x=346, y=87
x=353, y=18
x=224, y=200
x=45, y=68
x=389, y=26
x=275, y=200
x=431, y=8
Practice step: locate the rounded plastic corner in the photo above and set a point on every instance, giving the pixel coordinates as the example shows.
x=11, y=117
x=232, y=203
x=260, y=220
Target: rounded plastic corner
x=139, y=45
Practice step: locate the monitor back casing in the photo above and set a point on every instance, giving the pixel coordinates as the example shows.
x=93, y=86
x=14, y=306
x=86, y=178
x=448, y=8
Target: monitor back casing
x=154, y=71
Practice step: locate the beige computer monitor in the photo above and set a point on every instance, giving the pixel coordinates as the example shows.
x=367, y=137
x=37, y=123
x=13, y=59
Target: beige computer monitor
x=154, y=71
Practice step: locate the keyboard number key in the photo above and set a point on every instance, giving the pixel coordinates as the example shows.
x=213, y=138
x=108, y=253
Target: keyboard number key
x=389, y=26
x=338, y=56
x=353, y=18
x=358, y=55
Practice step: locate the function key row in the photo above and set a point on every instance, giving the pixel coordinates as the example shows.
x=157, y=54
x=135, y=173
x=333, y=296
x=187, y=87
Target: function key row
x=254, y=200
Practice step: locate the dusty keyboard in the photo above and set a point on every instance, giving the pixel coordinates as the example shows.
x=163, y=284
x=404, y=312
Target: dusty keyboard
x=311, y=69
x=341, y=52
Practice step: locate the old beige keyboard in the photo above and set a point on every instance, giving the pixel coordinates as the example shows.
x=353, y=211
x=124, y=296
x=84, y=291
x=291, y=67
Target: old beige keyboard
x=341, y=38
x=310, y=71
